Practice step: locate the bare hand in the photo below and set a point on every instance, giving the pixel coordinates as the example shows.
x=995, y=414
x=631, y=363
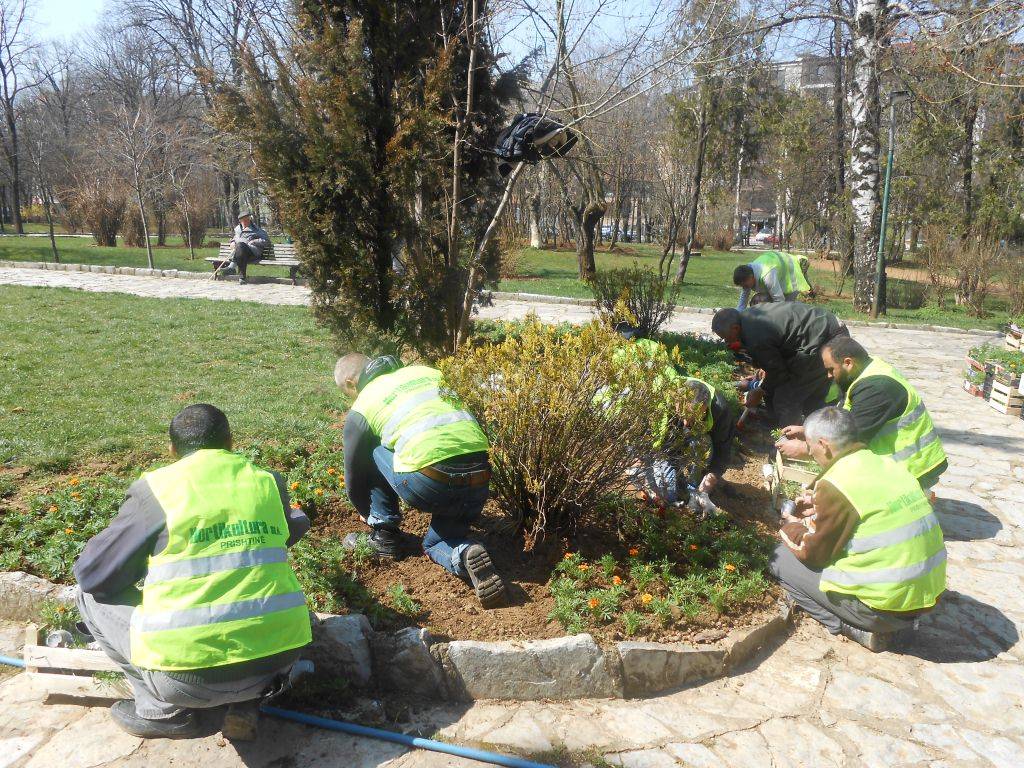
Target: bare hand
x=754, y=398
x=794, y=432
x=792, y=449
x=709, y=483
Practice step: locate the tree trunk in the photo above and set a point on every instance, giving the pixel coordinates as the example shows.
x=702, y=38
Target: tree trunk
x=145, y=224
x=3, y=206
x=737, y=221
x=842, y=231
x=188, y=229
x=49, y=225
x=970, y=118
x=695, y=182
x=865, y=112
x=19, y=225
x=588, y=219
x=533, y=212
x=161, y=228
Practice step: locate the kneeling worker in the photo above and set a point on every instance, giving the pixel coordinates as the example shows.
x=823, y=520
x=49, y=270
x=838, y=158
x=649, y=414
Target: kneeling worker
x=404, y=440
x=221, y=615
x=772, y=276
x=890, y=415
x=863, y=554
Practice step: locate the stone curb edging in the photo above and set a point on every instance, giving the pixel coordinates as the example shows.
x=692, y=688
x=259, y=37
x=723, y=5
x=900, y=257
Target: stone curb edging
x=412, y=661
x=108, y=269
x=540, y=298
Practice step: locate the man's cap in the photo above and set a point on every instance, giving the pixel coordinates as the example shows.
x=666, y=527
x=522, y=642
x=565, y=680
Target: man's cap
x=244, y=214
x=378, y=367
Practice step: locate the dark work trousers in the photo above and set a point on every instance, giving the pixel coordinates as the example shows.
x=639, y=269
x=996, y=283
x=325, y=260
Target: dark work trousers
x=241, y=256
x=807, y=389
x=829, y=609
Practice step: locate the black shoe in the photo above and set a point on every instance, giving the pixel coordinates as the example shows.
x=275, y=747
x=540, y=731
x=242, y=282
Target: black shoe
x=489, y=586
x=384, y=543
x=242, y=281
x=182, y=726
x=876, y=642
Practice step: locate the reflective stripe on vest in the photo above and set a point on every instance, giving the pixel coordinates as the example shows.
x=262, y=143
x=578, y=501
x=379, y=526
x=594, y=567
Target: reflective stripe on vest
x=221, y=591
x=896, y=559
x=202, y=566
x=911, y=438
x=414, y=417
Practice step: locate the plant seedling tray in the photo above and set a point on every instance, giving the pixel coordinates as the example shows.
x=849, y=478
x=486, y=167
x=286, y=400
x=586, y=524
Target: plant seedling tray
x=1012, y=342
x=66, y=675
x=973, y=389
x=1006, y=399
x=792, y=469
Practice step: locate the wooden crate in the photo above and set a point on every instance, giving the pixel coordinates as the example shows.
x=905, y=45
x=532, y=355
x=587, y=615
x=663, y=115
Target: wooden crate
x=1006, y=399
x=1012, y=342
x=788, y=469
x=67, y=674
x=973, y=389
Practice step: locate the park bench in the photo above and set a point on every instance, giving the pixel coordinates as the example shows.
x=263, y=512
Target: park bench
x=280, y=254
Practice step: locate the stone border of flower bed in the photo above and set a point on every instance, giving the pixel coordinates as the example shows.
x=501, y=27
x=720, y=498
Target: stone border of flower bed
x=412, y=661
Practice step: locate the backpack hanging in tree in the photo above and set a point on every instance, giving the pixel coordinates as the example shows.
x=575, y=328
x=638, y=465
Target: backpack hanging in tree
x=530, y=138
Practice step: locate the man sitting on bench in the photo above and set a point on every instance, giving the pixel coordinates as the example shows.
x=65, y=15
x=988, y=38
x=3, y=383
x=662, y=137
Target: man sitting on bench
x=249, y=243
x=221, y=616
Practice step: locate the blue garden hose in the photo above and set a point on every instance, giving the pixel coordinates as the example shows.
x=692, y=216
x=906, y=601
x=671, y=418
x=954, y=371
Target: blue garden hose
x=375, y=733
x=404, y=740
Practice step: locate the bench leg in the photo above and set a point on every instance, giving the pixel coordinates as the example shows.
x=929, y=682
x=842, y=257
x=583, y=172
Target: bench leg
x=293, y=273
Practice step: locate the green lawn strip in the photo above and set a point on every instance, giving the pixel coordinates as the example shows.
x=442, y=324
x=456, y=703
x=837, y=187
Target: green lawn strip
x=709, y=284
x=94, y=374
x=80, y=250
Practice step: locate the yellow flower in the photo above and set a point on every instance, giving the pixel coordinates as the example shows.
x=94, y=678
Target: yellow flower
x=341, y=482
x=584, y=567
x=295, y=486
x=76, y=495
x=69, y=531
x=53, y=508
x=633, y=552
x=73, y=481
x=319, y=491
x=730, y=567
x=593, y=603
x=332, y=471
x=616, y=580
x=646, y=598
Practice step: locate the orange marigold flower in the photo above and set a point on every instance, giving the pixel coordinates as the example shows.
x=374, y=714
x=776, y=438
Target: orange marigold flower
x=730, y=567
x=593, y=603
x=296, y=506
x=53, y=508
x=294, y=486
x=341, y=482
x=633, y=552
x=646, y=598
x=69, y=531
x=567, y=556
x=319, y=491
x=616, y=580
x=584, y=567
x=332, y=471
x=76, y=495
x=74, y=481
x=693, y=547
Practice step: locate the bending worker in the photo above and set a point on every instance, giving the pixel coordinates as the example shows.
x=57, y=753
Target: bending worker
x=221, y=615
x=785, y=341
x=863, y=553
x=890, y=415
x=404, y=440
x=772, y=276
x=713, y=411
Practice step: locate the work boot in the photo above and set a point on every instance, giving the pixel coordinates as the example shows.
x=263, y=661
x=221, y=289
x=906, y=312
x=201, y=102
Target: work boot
x=489, y=586
x=876, y=642
x=384, y=543
x=182, y=726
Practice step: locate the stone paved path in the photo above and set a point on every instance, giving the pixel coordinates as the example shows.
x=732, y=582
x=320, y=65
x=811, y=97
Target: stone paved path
x=955, y=699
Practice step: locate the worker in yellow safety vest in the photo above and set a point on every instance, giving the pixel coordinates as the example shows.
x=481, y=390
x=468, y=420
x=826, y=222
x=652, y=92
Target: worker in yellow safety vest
x=891, y=416
x=406, y=439
x=772, y=276
x=220, y=618
x=863, y=553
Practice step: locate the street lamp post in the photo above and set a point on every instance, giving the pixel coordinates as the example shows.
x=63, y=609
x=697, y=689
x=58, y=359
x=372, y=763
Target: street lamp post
x=895, y=97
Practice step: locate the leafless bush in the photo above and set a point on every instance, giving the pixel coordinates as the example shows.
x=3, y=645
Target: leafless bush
x=963, y=267
x=132, y=231
x=100, y=209
x=1012, y=270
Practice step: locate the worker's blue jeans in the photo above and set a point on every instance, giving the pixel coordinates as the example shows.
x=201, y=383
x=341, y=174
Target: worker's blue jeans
x=451, y=509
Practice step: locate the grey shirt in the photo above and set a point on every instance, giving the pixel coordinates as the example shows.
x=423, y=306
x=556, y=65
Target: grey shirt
x=253, y=236
x=117, y=557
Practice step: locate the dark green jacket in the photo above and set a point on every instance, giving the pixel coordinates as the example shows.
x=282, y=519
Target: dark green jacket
x=785, y=339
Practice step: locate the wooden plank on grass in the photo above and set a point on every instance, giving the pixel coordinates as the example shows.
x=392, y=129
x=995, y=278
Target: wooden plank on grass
x=43, y=657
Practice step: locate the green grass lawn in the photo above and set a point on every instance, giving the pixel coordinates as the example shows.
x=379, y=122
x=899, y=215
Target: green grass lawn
x=82, y=250
x=709, y=284
x=98, y=374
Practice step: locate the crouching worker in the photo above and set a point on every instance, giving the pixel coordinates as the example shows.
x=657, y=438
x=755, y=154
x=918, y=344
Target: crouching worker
x=220, y=617
x=863, y=553
x=721, y=428
x=404, y=441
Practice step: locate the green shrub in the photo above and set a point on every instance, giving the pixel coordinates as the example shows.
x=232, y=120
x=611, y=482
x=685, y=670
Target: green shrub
x=905, y=294
x=647, y=297
x=566, y=418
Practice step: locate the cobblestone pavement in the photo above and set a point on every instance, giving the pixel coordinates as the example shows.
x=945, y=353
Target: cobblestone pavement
x=953, y=698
